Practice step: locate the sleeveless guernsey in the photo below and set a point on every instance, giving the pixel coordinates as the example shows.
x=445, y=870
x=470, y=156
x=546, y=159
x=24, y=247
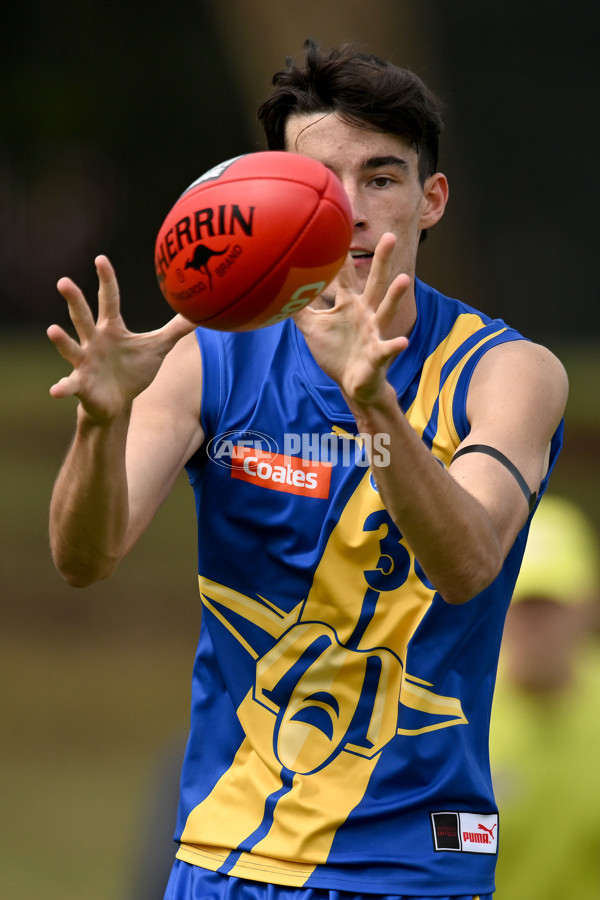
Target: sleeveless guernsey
x=340, y=708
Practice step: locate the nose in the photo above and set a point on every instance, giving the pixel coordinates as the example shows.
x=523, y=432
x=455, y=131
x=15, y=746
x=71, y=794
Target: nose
x=359, y=216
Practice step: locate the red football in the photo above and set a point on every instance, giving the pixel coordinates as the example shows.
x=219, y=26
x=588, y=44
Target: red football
x=253, y=240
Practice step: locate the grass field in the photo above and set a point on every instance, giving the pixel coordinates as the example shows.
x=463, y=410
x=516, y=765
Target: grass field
x=95, y=684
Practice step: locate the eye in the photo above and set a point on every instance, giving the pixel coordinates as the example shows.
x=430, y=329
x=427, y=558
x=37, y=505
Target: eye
x=381, y=181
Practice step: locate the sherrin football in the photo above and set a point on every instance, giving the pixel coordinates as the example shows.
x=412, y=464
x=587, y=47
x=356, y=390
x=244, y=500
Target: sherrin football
x=253, y=240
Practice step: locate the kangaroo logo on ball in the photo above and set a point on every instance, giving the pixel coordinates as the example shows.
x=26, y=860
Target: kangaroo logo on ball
x=200, y=258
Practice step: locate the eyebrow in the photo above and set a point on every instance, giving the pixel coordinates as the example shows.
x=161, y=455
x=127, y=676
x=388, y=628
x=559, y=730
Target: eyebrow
x=380, y=162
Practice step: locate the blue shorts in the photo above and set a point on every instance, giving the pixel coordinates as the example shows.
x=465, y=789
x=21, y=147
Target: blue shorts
x=188, y=882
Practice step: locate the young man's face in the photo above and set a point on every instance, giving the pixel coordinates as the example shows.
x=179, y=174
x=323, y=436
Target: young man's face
x=379, y=172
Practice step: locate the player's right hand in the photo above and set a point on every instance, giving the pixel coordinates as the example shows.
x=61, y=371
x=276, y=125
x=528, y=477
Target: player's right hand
x=111, y=365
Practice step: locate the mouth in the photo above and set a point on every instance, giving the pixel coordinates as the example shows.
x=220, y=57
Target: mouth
x=360, y=257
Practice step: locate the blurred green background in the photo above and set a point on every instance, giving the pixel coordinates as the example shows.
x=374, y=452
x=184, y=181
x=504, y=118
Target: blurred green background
x=107, y=112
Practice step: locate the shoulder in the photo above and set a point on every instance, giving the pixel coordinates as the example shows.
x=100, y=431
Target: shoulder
x=457, y=324
x=524, y=362
x=177, y=389
x=184, y=362
x=522, y=379
x=501, y=352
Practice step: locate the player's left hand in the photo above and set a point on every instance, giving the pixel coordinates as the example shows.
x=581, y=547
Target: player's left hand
x=350, y=341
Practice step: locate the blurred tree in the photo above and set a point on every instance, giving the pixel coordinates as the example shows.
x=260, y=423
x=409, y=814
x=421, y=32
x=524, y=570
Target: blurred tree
x=521, y=82
x=109, y=111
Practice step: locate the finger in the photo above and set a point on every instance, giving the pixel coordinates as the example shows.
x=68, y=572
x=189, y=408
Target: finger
x=109, y=300
x=388, y=308
x=305, y=318
x=68, y=348
x=391, y=349
x=79, y=310
x=340, y=289
x=380, y=273
x=174, y=330
x=68, y=386
x=346, y=279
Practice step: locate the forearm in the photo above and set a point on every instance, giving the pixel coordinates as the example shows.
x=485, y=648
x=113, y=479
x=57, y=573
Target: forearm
x=449, y=531
x=89, y=510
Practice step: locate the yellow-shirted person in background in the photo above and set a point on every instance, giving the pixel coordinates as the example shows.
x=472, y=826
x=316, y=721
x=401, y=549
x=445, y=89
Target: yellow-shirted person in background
x=545, y=734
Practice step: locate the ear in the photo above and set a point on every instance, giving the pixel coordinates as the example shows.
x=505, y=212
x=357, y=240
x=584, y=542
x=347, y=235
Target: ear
x=435, y=197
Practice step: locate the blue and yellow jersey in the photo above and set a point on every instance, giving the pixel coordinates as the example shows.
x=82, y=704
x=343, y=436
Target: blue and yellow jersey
x=340, y=707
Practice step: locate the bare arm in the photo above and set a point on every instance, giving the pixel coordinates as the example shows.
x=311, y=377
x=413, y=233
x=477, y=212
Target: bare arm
x=460, y=523
x=137, y=424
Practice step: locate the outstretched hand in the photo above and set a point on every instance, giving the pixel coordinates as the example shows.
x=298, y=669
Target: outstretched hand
x=350, y=341
x=111, y=365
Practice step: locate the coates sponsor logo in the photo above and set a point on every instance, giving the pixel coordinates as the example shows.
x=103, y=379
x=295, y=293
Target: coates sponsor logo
x=254, y=457
x=290, y=474
x=466, y=832
x=228, y=449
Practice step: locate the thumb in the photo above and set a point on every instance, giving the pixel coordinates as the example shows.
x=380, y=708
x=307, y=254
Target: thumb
x=175, y=329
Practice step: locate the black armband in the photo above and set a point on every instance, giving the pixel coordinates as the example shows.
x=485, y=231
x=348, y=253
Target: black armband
x=496, y=454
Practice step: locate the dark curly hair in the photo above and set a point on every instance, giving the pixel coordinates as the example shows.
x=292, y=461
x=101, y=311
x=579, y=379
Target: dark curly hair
x=363, y=90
